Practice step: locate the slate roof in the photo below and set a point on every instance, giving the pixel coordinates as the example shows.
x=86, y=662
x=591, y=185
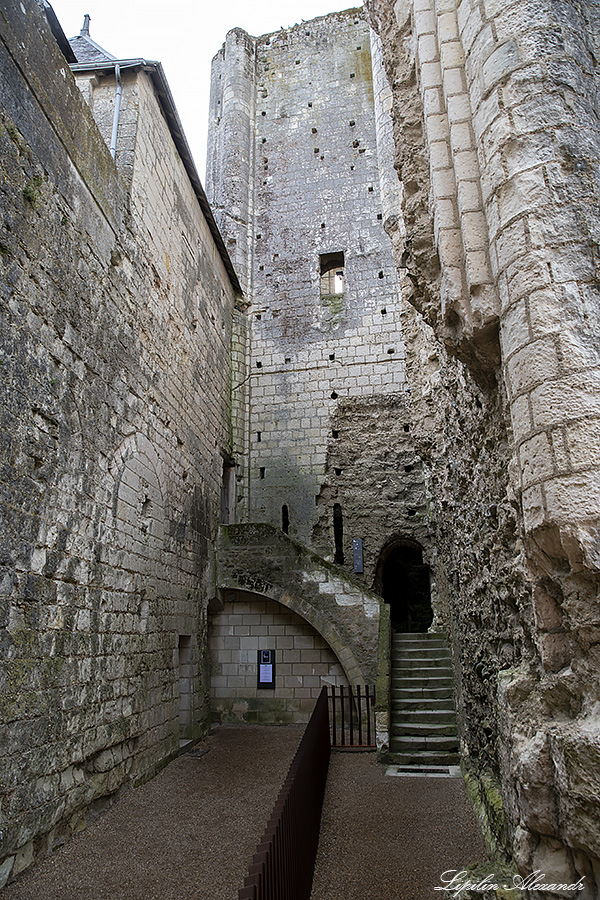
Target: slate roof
x=87, y=50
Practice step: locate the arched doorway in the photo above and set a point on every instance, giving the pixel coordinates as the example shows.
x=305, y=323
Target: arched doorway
x=403, y=582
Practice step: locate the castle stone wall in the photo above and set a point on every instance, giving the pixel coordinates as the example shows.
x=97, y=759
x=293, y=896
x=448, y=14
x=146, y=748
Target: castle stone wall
x=495, y=124
x=315, y=189
x=304, y=663
x=116, y=326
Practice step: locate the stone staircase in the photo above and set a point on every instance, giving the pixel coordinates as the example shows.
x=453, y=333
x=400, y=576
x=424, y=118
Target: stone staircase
x=423, y=729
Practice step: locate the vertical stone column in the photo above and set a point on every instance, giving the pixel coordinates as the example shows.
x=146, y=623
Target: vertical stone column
x=536, y=126
x=390, y=185
x=230, y=163
x=530, y=74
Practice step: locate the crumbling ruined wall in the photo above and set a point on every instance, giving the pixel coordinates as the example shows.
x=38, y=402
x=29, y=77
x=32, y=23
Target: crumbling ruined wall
x=116, y=389
x=496, y=129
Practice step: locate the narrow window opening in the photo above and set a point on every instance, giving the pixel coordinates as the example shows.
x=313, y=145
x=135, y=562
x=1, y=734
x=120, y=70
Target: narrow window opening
x=228, y=493
x=334, y=395
x=407, y=428
x=259, y=365
x=379, y=216
x=332, y=274
x=384, y=311
x=259, y=436
x=285, y=518
x=332, y=356
x=185, y=687
x=261, y=472
x=381, y=274
x=335, y=433
x=338, y=471
x=338, y=533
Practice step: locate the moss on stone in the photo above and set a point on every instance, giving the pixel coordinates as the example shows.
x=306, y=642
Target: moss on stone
x=486, y=797
x=32, y=192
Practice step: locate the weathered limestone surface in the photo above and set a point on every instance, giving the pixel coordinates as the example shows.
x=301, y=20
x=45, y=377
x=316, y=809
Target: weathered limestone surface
x=262, y=560
x=496, y=127
x=294, y=171
x=115, y=385
x=304, y=664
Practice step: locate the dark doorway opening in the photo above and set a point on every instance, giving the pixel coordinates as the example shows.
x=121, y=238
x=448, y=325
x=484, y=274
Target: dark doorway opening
x=405, y=586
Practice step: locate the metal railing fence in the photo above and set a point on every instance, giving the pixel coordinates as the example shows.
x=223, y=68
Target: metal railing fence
x=352, y=717
x=283, y=865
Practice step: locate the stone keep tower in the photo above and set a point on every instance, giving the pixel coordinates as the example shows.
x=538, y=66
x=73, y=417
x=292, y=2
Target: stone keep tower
x=293, y=176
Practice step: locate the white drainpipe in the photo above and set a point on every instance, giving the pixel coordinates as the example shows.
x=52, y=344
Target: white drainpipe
x=115, y=128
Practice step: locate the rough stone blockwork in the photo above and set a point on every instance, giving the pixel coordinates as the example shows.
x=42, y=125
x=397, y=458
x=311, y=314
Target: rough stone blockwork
x=115, y=410
x=294, y=174
x=496, y=129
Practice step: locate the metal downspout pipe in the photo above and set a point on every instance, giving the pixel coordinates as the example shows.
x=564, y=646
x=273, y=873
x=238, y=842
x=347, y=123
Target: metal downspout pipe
x=115, y=127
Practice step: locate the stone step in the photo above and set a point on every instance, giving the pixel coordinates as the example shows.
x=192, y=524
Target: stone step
x=424, y=729
x=409, y=637
x=432, y=743
x=422, y=662
x=404, y=716
x=418, y=692
x=431, y=667
x=438, y=662
x=424, y=758
x=414, y=649
x=421, y=672
x=439, y=681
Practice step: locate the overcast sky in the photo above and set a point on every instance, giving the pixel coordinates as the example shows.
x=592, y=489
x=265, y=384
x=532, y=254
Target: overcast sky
x=184, y=35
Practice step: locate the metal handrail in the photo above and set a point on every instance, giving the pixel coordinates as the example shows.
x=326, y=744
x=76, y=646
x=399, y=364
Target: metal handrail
x=284, y=861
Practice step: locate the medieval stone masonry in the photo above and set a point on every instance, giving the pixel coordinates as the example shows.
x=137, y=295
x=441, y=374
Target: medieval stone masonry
x=357, y=394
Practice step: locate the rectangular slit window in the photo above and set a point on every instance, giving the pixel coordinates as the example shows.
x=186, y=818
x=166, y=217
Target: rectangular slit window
x=332, y=274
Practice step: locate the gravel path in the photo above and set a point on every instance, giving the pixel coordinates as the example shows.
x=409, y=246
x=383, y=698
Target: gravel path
x=189, y=834
x=390, y=838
